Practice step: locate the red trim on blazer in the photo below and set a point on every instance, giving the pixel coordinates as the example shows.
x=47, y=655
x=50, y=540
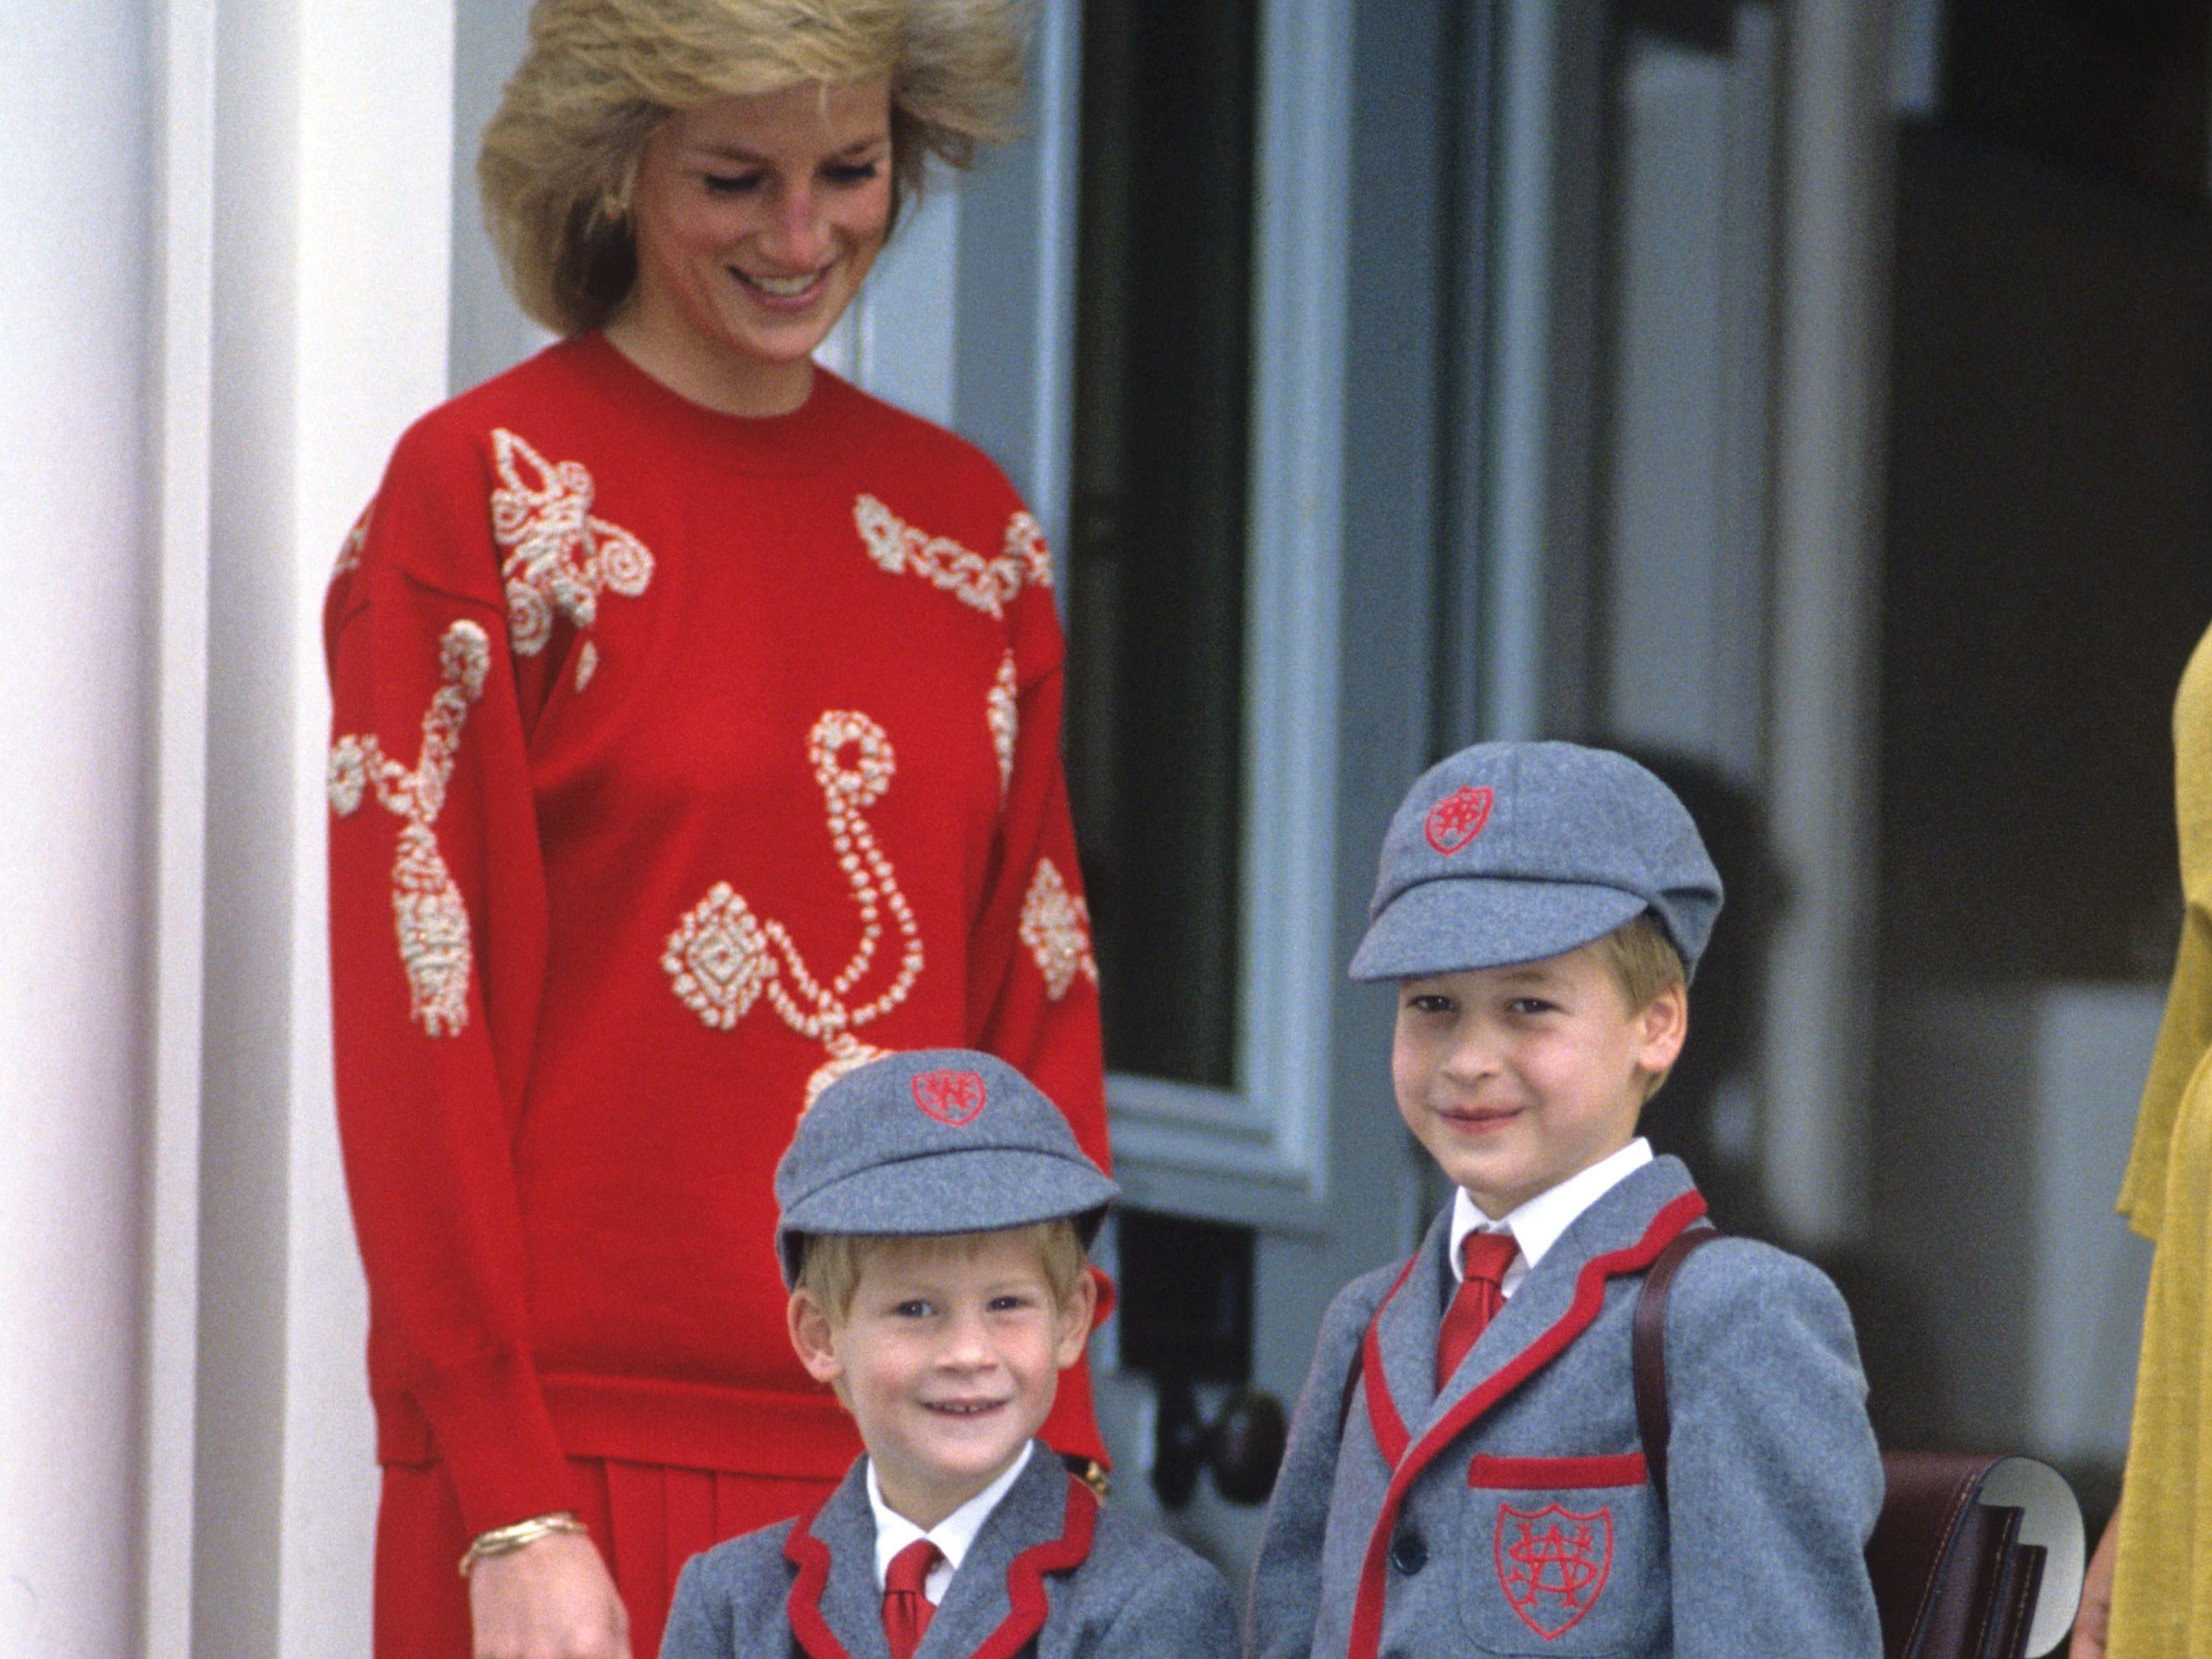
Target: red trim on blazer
x=1025, y=1574
x=1553, y=1473
x=1589, y=1299
x=1383, y=1411
x=803, y=1604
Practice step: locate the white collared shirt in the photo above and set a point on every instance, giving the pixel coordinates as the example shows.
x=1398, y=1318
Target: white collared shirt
x=953, y=1535
x=1537, y=1224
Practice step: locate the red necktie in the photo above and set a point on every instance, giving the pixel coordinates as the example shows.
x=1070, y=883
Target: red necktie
x=906, y=1608
x=1485, y=1257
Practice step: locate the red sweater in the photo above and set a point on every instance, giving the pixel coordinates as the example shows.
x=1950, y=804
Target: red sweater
x=679, y=759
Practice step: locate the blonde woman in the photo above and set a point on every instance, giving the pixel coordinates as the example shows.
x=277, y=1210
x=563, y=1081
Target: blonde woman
x=697, y=738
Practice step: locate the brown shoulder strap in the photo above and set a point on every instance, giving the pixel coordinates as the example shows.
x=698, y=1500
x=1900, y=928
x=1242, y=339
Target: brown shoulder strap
x=1647, y=1353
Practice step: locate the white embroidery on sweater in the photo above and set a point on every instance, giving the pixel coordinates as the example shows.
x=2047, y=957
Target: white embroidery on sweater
x=1025, y=546
x=989, y=584
x=1056, y=926
x=1002, y=714
x=356, y=538
x=722, y=957
x=427, y=909
x=587, y=664
x=560, y=557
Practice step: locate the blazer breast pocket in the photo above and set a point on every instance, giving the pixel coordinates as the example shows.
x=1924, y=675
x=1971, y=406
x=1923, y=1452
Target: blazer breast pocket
x=1565, y=1555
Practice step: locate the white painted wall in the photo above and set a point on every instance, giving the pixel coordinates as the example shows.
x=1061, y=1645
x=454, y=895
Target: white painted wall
x=74, y=682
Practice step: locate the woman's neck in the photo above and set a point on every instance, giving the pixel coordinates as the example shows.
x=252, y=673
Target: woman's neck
x=726, y=382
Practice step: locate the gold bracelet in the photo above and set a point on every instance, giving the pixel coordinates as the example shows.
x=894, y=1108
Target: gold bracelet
x=501, y=1539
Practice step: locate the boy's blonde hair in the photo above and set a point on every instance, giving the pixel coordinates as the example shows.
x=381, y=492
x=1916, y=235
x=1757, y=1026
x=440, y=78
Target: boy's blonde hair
x=559, y=157
x=1643, y=958
x=830, y=1264
x=1645, y=962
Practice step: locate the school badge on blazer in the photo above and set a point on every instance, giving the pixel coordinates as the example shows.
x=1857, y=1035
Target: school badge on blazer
x=1553, y=1564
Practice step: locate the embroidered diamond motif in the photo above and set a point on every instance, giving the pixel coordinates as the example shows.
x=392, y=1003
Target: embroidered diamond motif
x=1055, y=925
x=560, y=558
x=428, y=913
x=719, y=958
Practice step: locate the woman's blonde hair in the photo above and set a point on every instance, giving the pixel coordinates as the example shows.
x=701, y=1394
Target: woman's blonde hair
x=559, y=155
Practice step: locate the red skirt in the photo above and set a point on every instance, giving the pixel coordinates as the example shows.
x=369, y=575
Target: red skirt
x=647, y=1520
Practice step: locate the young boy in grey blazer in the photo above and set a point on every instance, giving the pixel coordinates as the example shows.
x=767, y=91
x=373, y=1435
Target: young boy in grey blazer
x=935, y=1211
x=1464, y=1474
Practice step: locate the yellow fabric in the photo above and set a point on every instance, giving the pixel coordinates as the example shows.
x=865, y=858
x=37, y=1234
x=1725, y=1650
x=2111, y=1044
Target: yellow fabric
x=2162, y=1587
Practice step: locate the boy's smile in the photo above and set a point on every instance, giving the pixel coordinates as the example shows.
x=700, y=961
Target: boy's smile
x=949, y=1360
x=1516, y=1077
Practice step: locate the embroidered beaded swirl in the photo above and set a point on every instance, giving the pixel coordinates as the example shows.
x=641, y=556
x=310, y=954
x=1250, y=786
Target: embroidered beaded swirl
x=722, y=957
x=559, y=557
x=426, y=907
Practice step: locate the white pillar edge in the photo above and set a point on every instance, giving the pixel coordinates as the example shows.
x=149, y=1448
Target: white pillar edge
x=1829, y=378
x=1521, y=347
x=370, y=335
x=181, y=325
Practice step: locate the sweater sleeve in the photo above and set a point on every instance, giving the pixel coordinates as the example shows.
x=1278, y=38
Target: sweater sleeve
x=438, y=930
x=1033, y=986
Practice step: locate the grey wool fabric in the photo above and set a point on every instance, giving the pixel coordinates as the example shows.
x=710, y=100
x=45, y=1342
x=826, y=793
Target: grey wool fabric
x=1523, y=1520
x=932, y=1140
x=1135, y=1594
x=1512, y=852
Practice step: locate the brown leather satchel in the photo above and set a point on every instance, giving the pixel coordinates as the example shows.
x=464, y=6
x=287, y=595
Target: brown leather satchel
x=1953, y=1578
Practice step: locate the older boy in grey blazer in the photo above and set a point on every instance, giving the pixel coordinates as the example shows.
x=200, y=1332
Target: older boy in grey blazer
x=1464, y=1474
x=935, y=1208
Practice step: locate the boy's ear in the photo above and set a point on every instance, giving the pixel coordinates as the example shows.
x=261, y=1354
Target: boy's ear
x=1663, y=1025
x=1073, y=1325
x=813, y=1338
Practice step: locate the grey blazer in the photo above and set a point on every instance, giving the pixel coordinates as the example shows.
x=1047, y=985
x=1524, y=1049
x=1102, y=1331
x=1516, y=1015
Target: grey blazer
x=1511, y=1514
x=1052, y=1574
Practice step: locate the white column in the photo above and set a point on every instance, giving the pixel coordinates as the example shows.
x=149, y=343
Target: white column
x=1827, y=588
x=331, y=166
x=74, y=928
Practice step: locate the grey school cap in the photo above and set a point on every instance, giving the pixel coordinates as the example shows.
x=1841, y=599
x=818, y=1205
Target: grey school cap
x=933, y=1140
x=1511, y=851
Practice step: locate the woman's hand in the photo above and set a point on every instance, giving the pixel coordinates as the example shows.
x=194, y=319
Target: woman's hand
x=552, y=1599
x=2091, y=1622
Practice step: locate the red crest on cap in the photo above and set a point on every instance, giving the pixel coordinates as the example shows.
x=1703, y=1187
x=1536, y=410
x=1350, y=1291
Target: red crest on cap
x=953, y=1097
x=1552, y=1564
x=1457, y=819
